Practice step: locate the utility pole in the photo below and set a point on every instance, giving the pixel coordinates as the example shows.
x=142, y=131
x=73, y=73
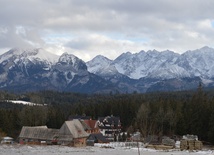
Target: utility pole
x=138, y=147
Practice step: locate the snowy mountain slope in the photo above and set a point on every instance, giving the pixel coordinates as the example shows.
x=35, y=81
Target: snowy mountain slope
x=29, y=54
x=163, y=65
x=143, y=64
x=154, y=70
x=36, y=69
x=29, y=61
x=198, y=62
x=99, y=65
x=23, y=66
x=64, y=71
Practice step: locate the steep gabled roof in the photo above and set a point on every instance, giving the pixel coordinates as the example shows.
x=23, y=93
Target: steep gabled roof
x=39, y=132
x=73, y=129
x=91, y=123
x=85, y=125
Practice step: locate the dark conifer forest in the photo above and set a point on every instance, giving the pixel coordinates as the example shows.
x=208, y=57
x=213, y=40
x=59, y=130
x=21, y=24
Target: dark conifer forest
x=160, y=113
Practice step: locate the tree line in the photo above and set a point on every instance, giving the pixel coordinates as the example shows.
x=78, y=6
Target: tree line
x=160, y=113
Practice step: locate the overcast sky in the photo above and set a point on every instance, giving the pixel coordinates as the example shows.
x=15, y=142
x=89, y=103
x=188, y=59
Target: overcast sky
x=87, y=28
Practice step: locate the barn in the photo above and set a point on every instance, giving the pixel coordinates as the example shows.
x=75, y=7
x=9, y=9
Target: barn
x=37, y=135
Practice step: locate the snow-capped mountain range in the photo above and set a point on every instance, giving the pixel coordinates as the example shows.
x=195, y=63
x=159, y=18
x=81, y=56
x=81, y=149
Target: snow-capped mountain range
x=155, y=64
x=37, y=69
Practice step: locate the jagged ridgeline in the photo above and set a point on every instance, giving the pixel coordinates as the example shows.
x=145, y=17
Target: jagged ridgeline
x=23, y=70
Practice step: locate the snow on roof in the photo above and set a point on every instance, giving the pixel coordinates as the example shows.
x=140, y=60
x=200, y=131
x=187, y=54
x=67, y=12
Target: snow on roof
x=7, y=138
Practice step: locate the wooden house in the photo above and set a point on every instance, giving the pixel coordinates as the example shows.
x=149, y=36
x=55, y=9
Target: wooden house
x=90, y=126
x=37, y=135
x=72, y=133
x=110, y=127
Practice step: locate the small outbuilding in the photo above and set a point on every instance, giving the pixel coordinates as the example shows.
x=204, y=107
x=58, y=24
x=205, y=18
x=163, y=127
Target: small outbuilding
x=7, y=140
x=97, y=138
x=190, y=142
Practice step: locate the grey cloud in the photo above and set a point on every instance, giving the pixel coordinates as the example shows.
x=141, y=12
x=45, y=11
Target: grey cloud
x=19, y=37
x=79, y=43
x=99, y=14
x=10, y=39
x=162, y=22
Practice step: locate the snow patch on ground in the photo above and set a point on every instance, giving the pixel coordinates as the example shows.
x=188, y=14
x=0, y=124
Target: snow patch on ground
x=24, y=102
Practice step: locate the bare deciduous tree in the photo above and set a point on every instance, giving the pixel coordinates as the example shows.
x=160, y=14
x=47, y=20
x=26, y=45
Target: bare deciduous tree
x=144, y=122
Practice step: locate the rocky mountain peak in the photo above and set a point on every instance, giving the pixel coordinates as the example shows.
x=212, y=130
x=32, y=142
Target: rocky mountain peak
x=73, y=61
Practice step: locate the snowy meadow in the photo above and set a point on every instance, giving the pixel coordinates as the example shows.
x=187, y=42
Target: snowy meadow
x=92, y=150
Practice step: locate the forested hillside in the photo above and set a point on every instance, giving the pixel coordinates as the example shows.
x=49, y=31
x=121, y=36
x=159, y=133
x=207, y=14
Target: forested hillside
x=172, y=113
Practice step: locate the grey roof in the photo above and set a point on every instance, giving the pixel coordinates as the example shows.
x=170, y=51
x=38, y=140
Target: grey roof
x=81, y=117
x=98, y=137
x=73, y=129
x=109, y=122
x=40, y=133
